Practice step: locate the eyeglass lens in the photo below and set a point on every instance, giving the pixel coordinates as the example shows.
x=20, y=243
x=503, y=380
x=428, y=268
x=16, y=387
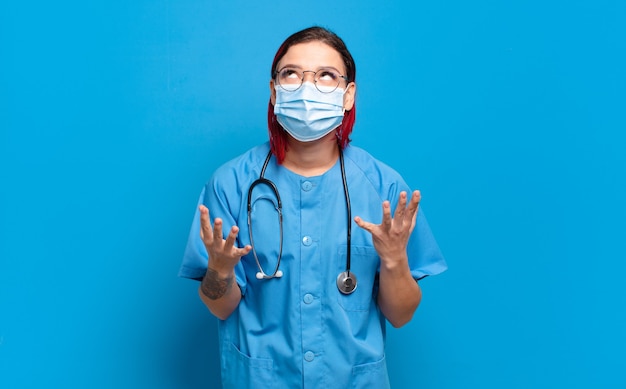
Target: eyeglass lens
x=326, y=80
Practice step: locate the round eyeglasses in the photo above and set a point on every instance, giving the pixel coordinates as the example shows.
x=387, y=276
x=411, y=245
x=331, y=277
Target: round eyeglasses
x=326, y=80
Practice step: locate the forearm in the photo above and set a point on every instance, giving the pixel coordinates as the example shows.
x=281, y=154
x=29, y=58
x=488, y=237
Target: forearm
x=399, y=294
x=220, y=293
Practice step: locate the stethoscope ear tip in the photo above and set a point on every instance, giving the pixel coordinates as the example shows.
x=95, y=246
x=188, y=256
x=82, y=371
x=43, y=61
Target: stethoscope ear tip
x=260, y=275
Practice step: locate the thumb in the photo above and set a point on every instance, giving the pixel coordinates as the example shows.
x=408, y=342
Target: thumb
x=367, y=226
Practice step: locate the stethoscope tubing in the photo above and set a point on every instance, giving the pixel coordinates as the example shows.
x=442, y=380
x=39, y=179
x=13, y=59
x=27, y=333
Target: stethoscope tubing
x=349, y=211
x=279, y=208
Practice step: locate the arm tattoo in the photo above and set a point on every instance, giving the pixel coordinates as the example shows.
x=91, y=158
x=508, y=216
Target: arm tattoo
x=215, y=287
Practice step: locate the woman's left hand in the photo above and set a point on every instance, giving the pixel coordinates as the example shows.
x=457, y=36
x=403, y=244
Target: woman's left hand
x=391, y=237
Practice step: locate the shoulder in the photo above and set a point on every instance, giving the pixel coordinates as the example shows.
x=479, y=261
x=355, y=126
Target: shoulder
x=373, y=169
x=243, y=166
x=228, y=184
x=229, y=179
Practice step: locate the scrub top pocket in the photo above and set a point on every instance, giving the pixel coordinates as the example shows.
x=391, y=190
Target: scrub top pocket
x=371, y=375
x=364, y=264
x=244, y=371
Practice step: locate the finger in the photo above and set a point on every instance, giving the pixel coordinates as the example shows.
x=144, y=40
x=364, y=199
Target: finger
x=243, y=251
x=414, y=204
x=217, y=230
x=367, y=226
x=417, y=197
x=205, y=224
x=401, y=207
x=386, y=224
x=230, y=239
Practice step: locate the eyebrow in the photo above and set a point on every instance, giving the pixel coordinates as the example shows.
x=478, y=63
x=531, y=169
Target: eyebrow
x=300, y=67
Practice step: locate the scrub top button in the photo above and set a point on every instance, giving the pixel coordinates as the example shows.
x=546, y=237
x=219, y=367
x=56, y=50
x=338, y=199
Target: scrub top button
x=307, y=241
x=309, y=356
x=307, y=186
x=308, y=298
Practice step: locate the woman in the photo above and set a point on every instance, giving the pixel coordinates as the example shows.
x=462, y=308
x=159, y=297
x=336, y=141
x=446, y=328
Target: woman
x=303, y=293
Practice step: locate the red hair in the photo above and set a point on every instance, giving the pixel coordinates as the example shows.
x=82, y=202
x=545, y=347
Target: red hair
x=278, y=136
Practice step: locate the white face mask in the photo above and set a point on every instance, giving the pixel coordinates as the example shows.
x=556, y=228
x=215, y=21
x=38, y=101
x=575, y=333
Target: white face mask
x=308, y=114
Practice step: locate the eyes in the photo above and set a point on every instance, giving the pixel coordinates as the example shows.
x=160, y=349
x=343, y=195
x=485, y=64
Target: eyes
x=291, y=78
x=289, y=74
x=327, y=75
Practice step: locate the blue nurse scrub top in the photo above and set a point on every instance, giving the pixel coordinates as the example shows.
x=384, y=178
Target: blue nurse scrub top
x=299, y=331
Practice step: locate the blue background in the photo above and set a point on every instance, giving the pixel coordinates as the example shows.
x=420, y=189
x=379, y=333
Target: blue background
x=509, y=116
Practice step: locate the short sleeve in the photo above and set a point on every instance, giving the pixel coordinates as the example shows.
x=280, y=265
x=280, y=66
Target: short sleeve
x=195, y=259
x=425, y=257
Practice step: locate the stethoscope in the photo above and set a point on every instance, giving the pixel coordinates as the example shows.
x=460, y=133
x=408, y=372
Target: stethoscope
x=346, y=280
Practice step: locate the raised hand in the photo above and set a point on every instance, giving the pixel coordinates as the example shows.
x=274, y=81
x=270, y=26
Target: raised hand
x=391, y=237
x=223, y=254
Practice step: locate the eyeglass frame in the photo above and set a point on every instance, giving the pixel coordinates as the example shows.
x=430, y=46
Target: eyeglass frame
x=346, y=79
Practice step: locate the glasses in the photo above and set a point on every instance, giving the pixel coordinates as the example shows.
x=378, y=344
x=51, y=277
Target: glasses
x=326, y=79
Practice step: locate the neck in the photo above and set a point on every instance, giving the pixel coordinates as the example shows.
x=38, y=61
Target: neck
x=312, y=158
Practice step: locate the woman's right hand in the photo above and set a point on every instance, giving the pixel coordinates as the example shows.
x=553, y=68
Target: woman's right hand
x=223, y=255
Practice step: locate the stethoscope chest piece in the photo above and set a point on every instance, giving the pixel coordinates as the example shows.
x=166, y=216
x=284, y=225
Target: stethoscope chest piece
x=346, y=282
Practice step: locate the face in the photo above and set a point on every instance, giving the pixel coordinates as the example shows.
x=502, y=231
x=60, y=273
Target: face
x=313, y=56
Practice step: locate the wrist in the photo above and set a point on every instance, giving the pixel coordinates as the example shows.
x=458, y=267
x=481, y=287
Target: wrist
x=222, y=272
x=398, y=263
x=215, y=286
